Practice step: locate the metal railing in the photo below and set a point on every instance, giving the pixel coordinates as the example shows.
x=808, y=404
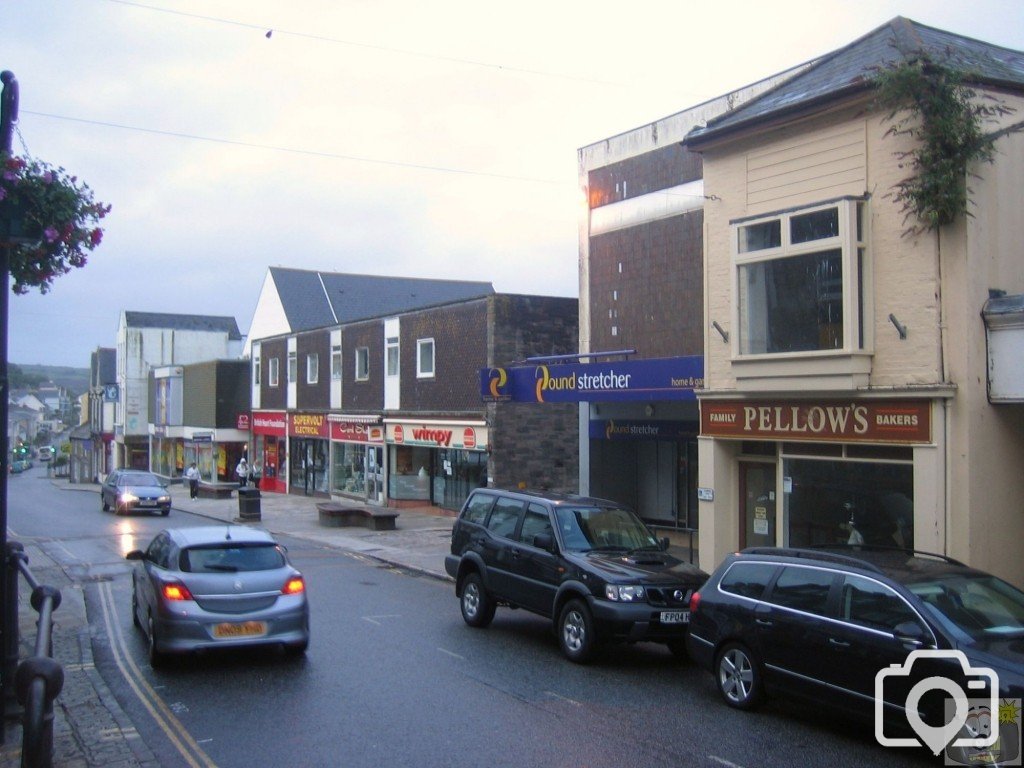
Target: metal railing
x=39, y=678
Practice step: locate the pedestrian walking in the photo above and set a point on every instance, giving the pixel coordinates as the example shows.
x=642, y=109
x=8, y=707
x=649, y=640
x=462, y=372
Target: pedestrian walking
x=192, y=475
x=242, y=470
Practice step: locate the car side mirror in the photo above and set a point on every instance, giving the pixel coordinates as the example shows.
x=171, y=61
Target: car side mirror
x=910, y=634
x=544, y=541
x=664, y=543
x=135, y=554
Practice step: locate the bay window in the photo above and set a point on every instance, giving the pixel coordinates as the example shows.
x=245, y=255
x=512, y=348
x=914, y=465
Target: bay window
x=800, y=278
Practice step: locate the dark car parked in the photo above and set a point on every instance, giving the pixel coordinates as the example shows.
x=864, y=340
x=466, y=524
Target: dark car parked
x=590, y=565
x=820, y=624
x=131, y=490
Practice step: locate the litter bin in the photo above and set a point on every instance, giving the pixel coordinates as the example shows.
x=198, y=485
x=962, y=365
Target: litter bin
x=249, y=503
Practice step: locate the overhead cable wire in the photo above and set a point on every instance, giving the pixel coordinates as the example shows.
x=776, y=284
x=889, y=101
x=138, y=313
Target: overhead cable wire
x=271, y=30
x=294, y=150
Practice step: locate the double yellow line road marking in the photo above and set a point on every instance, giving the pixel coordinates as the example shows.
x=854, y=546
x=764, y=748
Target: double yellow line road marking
x=151, y=700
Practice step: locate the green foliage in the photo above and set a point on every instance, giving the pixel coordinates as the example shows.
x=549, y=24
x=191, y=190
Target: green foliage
x=54, y=217
x=931, y=103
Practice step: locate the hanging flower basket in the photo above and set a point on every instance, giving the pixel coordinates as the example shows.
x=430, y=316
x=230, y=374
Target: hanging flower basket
x=48, y=219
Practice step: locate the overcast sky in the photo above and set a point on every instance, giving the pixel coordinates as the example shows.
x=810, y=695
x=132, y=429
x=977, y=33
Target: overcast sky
x=382, y=137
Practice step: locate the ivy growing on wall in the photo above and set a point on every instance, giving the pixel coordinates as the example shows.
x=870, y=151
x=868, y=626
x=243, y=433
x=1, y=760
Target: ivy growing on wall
x=931, y=102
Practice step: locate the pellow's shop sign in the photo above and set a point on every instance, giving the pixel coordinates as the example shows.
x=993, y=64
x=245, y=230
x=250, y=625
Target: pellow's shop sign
x=868, y=421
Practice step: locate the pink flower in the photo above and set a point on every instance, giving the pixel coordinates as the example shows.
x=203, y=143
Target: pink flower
x=50, y=234
x=95, y=236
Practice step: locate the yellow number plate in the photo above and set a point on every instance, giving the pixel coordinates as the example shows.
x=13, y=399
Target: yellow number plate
x=244, y=629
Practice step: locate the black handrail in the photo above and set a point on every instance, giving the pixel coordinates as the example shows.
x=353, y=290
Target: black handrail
x=39, y=678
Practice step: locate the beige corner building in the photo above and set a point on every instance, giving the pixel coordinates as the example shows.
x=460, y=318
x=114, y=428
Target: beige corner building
x=862, y=384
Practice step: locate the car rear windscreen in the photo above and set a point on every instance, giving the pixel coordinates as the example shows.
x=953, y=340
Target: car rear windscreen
x=231, y=558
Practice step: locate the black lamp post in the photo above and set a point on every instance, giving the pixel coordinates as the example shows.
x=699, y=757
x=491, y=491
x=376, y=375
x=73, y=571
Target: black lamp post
x=9, y=614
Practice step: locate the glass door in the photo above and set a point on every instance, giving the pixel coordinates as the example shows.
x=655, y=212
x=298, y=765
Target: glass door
x=757, y=502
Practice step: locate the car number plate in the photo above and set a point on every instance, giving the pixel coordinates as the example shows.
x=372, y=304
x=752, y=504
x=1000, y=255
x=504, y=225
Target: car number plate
x=147, y=503
x=242, y=629
x=675, y=617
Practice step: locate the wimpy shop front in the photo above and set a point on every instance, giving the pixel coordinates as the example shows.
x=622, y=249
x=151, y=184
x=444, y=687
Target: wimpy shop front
x=435, y=462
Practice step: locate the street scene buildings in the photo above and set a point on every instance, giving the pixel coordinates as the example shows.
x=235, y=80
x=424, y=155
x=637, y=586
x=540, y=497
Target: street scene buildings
x=762, y=352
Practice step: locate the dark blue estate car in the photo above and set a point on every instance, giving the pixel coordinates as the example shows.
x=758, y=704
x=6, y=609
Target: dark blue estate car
x=821, y=624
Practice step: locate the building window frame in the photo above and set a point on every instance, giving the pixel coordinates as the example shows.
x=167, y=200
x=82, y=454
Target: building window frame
x=425, y=359
x=312, y=368
x=293, y=367
x=392, y=355
x=273, y=372
x=336, y=362
x=256, y=372
x=817, y=240
x=362, y=360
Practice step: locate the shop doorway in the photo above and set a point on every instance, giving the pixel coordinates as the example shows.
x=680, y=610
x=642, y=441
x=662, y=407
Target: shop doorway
x=757, y=504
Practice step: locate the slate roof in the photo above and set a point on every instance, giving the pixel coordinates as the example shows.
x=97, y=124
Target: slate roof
x=848, y=71
x=177, y=322
x=314, y=299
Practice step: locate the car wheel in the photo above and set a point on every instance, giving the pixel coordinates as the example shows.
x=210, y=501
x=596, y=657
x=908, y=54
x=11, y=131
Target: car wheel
x=576, y=632
x=477, y=606
x=156, y=657
x=165, y=512
x=103, y=503
x=678, y=649
x=739, y=677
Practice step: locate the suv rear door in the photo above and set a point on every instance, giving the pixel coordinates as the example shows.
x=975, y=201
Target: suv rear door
x=495, y=543
x=536, y=570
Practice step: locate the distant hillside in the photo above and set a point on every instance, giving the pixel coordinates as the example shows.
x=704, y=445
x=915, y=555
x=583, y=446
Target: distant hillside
x=75, y=380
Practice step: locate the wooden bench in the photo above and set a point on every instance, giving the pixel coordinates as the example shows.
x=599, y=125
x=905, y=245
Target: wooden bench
x=216, y=490
x=335, y=515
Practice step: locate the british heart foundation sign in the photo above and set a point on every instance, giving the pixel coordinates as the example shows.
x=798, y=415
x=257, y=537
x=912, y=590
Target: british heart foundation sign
x=868, y=421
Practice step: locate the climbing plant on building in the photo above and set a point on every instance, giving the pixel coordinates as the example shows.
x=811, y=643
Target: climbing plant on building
x=932, y=102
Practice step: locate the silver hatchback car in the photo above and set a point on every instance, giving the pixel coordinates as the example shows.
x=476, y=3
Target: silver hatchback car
x=217, y=586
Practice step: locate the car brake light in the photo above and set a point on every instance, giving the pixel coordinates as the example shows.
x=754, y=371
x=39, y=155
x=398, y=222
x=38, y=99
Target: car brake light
x=294, y=586
x=176, y=592
x=694, y=602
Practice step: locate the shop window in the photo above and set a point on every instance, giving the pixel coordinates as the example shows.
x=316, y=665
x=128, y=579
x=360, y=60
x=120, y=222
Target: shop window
x=831, y=501
x=272, y=372
x=312, y=368
x=362, y=363
x=800, y=279
x=425, y=358
x=335, y=363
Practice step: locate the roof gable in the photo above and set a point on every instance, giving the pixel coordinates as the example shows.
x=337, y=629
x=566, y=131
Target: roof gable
x=849, y=70
x=321, y=299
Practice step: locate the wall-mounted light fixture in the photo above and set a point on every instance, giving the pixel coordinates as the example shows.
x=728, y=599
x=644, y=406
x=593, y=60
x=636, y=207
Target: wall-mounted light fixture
x=901, y=329
x=724, y=333
x=648, y=410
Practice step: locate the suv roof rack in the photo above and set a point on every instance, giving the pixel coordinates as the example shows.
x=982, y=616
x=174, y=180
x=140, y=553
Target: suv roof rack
x=812, y=554
x=881, y=548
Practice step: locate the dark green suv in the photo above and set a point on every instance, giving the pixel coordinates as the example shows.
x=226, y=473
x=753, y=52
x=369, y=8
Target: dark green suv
x=590, y=565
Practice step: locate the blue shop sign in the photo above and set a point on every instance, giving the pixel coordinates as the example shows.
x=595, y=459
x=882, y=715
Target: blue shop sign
x=667, y=378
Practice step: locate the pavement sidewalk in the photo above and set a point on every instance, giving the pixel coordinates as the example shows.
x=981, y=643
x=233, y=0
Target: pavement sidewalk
x=90, y=729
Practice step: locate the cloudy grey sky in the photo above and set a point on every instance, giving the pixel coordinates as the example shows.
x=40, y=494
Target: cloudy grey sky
x=371, y=136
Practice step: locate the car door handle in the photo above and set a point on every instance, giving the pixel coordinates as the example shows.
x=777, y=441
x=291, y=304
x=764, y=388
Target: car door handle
x=515, y=553
x=764, y=622
x=838, y=643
